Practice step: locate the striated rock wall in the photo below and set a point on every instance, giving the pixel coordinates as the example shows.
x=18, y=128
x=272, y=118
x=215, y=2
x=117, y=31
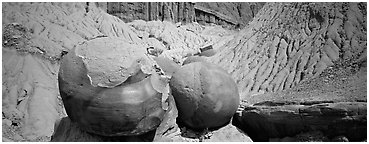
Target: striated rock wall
x=207, y=16
x=152, y=11
x=287, y=43
x=267, y=120
x=240, y=12
x=230, y=14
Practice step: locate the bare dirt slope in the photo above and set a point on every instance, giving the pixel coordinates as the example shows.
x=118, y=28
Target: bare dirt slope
x=330, y=107
x=339, y=83
x=287, y=43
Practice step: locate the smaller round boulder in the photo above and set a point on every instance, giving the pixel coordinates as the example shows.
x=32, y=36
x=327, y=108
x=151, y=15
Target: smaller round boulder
x=206, y=96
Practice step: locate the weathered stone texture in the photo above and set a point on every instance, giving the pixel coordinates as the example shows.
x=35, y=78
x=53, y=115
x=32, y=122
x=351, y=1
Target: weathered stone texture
x=267, y=120
x=178, y=42
x=152, y=11
x=230, y=14
x=289, y=42
x=242, y=12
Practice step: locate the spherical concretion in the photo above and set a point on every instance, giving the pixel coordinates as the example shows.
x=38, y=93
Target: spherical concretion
x=131, y=108
x=124, y=110
x=206, y=96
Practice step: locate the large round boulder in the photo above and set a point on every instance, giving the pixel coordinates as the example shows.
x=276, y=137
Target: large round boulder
x=206, y=96
x=104, y=101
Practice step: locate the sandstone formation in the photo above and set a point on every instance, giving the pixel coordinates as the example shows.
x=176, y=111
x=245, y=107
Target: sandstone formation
x=287, y=43
x=230, y=14
x=267, y=120
x=153, y=11
x=242, y=12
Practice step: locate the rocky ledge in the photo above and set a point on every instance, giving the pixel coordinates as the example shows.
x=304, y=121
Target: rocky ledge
x=267, y=120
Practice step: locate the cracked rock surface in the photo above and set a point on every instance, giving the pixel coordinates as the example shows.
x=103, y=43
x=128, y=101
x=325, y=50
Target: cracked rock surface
x=279, y=120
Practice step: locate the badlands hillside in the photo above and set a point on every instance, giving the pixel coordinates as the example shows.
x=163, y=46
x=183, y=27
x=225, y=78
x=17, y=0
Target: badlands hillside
x=300, y=69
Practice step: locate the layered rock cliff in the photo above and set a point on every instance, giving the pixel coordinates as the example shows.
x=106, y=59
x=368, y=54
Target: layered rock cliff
x=230, y=14
x=242, y=12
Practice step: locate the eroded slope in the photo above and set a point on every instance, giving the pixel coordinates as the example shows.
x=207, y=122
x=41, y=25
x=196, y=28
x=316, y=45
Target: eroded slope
x=287, y=43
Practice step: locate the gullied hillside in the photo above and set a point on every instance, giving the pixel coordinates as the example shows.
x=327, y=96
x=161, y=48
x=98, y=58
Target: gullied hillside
x=287, y=43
